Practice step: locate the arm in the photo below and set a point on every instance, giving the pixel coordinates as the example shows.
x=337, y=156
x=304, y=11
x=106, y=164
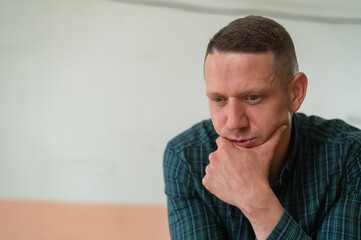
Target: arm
x=343, y=220
x=189, y=217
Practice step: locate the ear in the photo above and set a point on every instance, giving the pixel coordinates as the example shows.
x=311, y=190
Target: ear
x=297, y=89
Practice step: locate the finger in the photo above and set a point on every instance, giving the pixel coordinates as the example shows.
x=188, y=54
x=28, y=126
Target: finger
x=205, y=181
x=219, y=140
x=212, y=157
x=207, y=169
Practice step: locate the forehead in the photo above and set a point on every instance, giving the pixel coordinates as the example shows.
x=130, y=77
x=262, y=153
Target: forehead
x=239, y=71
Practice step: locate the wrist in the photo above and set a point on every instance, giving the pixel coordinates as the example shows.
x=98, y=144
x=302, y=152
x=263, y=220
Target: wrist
x=264, y=230
x=264, y=213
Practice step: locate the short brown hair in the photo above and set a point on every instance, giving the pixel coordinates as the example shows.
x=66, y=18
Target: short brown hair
x=254, y=34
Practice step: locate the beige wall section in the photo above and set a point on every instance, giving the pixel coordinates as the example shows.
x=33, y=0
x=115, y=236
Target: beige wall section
x=26, y=220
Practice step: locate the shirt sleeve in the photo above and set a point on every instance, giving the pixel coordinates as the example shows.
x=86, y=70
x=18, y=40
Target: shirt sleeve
x=189, y=217
x=343, y=220
x=287, y=228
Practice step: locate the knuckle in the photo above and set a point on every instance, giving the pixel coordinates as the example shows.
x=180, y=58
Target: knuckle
x=205, y=181
x=221, y=143
x=212, y=157
x=207, y=169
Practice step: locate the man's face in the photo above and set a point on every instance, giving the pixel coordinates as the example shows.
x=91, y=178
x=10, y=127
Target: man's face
x=246, y=101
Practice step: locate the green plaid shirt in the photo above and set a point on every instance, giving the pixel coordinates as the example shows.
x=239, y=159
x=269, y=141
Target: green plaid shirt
x=319, y=186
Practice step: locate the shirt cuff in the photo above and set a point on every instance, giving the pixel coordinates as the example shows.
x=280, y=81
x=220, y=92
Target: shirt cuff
x=287, y=228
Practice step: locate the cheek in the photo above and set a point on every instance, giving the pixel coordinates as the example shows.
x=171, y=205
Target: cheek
x=268, y=119
x=218, y=119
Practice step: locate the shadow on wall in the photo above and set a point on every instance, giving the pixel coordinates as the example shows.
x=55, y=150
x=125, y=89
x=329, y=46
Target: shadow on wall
x=20, y=220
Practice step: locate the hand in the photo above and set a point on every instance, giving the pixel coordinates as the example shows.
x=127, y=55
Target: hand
x=239, y=176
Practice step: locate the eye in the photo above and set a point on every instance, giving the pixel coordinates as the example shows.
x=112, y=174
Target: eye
x=253, y=99
x=218, y=100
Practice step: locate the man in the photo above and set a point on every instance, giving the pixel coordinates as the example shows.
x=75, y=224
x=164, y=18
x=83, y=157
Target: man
x=257, y=169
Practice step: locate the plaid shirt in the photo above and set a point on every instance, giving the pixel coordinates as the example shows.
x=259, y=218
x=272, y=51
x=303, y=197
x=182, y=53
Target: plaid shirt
x=319, y=186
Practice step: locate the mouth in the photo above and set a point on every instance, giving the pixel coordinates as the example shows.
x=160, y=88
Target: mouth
x=243, y=143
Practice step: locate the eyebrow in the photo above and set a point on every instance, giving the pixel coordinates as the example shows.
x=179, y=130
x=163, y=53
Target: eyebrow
x=242, y=93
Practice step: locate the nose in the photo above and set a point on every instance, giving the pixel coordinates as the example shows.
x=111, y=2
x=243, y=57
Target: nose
x=236, y=116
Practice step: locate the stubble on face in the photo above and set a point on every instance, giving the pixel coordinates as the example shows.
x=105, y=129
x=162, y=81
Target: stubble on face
x=235, y=78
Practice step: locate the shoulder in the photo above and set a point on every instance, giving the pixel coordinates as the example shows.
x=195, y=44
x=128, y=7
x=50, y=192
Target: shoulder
x=200, y=134
x=334, y=131
x=188, y=152
x=328, y=149
x=330, y=144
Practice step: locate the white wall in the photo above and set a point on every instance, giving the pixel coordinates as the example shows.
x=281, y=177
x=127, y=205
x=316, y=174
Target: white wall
x=91, y=91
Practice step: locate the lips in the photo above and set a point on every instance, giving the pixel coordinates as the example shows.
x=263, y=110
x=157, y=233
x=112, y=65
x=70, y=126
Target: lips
x=244, y=143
